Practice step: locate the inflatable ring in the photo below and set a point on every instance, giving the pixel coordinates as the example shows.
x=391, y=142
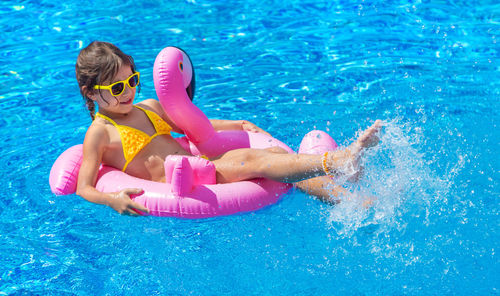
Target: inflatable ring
x=190, y=190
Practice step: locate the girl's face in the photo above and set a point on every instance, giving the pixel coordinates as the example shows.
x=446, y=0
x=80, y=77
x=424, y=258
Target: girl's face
x=121, y=104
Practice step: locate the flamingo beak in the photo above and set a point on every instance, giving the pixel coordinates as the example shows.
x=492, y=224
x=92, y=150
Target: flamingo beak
x=188, y=74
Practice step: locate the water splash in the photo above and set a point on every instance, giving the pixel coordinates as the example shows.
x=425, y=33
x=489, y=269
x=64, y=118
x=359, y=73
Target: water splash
x=398, y=179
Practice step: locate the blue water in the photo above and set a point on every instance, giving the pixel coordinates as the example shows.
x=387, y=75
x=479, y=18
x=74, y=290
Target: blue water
x=430, y=69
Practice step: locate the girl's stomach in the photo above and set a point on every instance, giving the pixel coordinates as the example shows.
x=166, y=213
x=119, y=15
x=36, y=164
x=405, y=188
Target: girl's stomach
x=148, y=163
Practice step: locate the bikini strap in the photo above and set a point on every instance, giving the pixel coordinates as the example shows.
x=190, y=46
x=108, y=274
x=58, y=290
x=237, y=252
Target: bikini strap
x=112, y=121
x=161, y=127
x=107, y=118
x=147, y=112
x=139, y=107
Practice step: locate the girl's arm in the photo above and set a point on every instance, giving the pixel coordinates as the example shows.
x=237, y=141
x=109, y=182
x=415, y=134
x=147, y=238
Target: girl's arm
x=94, y=145
x=244, y=125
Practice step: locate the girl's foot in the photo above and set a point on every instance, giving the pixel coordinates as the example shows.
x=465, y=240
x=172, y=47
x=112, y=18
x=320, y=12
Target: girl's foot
x=346, y=162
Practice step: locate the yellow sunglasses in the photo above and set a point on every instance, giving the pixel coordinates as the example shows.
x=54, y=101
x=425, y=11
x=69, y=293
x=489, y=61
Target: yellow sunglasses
x=118, y=87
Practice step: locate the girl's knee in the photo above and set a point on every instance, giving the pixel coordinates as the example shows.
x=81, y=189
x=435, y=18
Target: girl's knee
x=241, y=164
x=254, y=161
x=276, y=149
x=254, y=155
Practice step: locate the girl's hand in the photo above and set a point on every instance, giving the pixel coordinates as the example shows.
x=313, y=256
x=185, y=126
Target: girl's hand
x=250, y=127
x=122, y=203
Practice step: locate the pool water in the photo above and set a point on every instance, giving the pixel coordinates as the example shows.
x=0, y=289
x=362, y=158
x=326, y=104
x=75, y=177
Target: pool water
x=429, y=69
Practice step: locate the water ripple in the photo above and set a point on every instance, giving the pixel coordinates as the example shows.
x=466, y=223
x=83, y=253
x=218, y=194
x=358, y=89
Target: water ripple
x=289, y=67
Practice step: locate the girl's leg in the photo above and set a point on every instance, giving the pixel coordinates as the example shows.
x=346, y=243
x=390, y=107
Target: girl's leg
x=244, y=164
x=247, y=163
x=323, y=188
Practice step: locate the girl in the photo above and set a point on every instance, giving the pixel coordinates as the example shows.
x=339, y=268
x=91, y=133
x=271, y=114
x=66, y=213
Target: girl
x=136, y=138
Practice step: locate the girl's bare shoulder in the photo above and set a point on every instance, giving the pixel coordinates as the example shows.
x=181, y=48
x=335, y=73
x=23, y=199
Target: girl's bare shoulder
x=153, y=105
x=97, y=133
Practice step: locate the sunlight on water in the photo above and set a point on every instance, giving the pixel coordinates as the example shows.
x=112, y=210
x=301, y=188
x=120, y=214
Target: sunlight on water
x=397, y=177
x=289, y=67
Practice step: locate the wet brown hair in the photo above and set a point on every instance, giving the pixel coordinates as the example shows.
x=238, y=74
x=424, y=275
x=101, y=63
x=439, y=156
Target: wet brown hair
x=99, y=62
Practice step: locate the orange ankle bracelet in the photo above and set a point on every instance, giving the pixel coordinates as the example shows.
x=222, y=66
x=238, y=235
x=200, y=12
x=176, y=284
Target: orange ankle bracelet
x=325, y=167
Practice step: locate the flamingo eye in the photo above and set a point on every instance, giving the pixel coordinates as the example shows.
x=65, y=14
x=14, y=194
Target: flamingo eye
x=181, y=66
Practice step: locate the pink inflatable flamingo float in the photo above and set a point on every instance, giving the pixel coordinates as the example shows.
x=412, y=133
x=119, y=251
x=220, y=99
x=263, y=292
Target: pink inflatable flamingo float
x=190, y=190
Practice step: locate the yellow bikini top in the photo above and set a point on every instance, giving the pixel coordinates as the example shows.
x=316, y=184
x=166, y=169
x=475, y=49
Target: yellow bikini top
x=134, y=140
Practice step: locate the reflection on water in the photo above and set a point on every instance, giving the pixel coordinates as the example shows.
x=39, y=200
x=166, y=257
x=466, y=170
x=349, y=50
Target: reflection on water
x=429, y=68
